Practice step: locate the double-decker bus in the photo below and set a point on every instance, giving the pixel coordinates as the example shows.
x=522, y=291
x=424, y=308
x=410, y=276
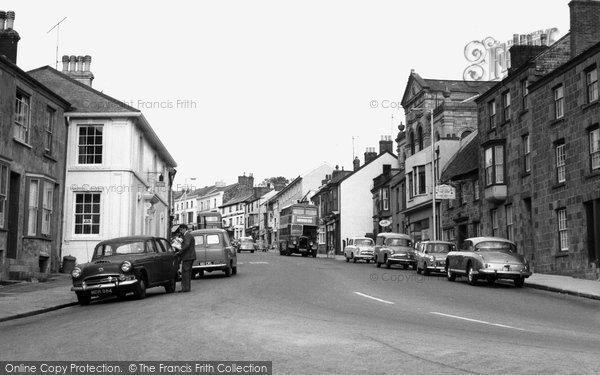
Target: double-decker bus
x=298, y=226
x=209, y=219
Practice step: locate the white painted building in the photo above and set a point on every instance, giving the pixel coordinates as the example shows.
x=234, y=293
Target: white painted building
x=356, y=199
x=119, y=174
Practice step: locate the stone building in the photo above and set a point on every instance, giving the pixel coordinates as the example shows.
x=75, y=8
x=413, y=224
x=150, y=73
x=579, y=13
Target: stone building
x=454, y=113
x=537, y=165
x=566, y=158
x=32, y=166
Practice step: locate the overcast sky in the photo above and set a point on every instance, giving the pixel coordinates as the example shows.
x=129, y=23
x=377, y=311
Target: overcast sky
x=272, y=88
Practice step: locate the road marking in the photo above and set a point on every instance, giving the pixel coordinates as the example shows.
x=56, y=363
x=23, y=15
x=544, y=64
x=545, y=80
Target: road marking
x=258, y=262
x=373, y=298
x=477, y=321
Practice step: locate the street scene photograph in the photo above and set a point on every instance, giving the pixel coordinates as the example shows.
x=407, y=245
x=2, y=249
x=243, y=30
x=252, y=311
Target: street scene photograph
x=284, y=187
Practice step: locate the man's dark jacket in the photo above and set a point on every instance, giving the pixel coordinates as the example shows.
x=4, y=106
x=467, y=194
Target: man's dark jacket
x=188, y=247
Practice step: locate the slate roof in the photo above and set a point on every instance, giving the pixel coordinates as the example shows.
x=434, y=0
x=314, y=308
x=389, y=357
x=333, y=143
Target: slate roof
x=466, y=161
x=238, y=199
x=83, y=98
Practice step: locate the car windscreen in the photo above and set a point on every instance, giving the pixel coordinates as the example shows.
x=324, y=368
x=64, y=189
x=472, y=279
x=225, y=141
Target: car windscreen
x=120, y=249
x=440, y=248
x=365, y=242
x=495, y=246
x=398, y=242
x=246, y=240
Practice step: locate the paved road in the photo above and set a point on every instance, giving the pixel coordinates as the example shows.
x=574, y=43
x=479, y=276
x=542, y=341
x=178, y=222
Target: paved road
x=322, y=316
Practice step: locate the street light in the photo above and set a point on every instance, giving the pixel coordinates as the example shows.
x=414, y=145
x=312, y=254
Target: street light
x=433, y=209
x=185, y=196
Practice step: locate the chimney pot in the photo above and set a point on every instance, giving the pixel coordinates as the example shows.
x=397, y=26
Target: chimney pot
x=65, y=62
x=80, y=63
x=515, y=39
x=87, y=61
x=2, y=19
x=10, y=20
x=72, y=63
x=523, y=40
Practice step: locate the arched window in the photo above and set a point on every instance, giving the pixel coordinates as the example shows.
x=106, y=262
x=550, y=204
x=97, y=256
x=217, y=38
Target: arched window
x=465, y=134
x=411, y=143
x=420, y=137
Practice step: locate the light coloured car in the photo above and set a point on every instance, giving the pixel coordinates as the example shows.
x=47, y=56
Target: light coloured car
x=431, y=256
x=214, y=252
x=394, y=248
x=488, y=258
x=359, y=248
x=246, y=244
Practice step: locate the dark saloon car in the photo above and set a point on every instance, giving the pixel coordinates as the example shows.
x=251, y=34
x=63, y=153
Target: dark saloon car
x=126, y=264
x=488, y=258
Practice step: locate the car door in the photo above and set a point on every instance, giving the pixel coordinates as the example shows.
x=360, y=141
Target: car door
x=215, y=248
x=153, y=264
x=169, y=262
x=462, y=256
x=200, y=248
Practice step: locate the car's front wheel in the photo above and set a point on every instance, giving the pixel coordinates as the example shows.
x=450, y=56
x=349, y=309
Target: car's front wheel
x=170, y=285
x=140, y=289
x=450, y=275
x=388, y=264
x=84, y=298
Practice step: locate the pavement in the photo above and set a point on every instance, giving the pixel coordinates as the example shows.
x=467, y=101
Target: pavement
x=23, y=299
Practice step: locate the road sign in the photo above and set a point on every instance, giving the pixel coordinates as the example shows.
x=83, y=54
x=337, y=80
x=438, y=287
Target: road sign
x=445, y=192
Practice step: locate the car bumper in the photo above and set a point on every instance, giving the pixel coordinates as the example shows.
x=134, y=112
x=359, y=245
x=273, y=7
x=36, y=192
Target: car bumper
x=401, y=261
x=437, y=268
x=504, y=274
x=364, y=256
x=112, y=285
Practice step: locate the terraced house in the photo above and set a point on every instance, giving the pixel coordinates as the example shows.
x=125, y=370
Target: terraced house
x=32, y=166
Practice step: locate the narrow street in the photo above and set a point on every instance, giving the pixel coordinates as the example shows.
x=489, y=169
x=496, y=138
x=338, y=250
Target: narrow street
x=326, y=316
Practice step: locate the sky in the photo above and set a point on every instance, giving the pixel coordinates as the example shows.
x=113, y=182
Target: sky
x=269, y=88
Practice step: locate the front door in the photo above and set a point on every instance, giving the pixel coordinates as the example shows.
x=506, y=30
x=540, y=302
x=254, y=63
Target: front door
x=13, y=215
x=461, y=236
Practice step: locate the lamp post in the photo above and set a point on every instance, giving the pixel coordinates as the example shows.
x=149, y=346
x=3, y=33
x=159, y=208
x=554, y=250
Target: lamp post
x=433, y=209
x=185, y=196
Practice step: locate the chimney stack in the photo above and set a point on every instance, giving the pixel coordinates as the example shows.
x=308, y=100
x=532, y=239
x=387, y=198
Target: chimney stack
x=78, y=68
x=520, y=54
x=9, y=38
x=370, y=154
x=356, y=163
x=386, y=144
x=585, y=25
x=544, y=39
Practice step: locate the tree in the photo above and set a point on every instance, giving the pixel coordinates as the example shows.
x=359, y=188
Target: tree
x=276, y=181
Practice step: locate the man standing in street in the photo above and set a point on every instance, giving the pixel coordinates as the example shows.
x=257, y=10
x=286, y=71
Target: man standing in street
x=188, y=256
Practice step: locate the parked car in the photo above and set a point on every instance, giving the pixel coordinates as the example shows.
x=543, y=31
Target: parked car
x=431, y=256
x=488, y=258
x=261, y=245
x=359, y=248
x=214, y=252
x=394, y=248
x=126, y=264
x=246, y=244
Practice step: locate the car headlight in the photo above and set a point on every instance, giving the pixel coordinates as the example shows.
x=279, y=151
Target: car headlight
x=431, y=258
x=392, y=252
x=76, y=272
x=126, y=266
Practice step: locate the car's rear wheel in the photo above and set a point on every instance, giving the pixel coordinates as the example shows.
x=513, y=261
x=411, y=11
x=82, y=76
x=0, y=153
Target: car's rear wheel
x=84, y=298
x=519, y=282
x=140, y=289
x=227, y=270
x=426, y=271
x=170, y=285
x=450, y=275
x=471, y=275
